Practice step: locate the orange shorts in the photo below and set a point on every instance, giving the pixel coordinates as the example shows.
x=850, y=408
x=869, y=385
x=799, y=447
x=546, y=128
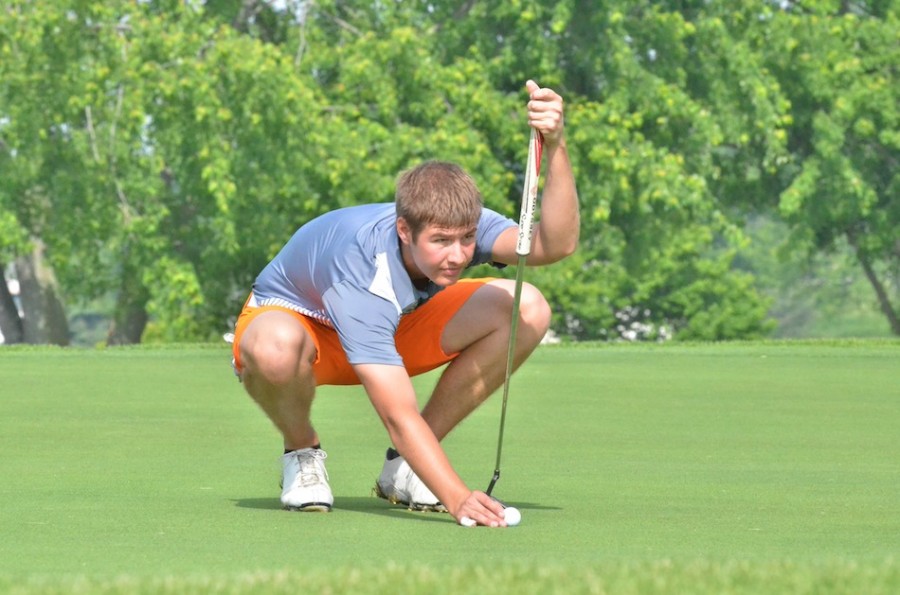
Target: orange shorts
x=418, y=337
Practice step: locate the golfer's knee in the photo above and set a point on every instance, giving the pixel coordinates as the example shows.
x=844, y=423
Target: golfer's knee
x=277, y=358
x=534, y=309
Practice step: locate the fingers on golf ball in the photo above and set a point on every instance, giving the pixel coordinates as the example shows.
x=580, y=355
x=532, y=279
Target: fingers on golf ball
x=512, y=516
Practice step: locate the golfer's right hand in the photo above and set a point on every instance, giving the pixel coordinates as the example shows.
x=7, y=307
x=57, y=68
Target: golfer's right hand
x=480, y=509
x=545, y=112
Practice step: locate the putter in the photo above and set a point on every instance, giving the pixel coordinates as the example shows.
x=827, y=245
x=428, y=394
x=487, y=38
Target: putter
x=523, y=249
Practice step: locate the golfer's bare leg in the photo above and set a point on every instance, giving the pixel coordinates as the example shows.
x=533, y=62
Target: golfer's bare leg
x=277, y=354
x=480, y=333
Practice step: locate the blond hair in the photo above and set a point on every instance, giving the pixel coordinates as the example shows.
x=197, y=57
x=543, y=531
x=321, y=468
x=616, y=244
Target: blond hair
x=437, y=193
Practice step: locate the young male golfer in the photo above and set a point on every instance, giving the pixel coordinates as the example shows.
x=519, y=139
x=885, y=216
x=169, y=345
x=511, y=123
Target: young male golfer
x=372, y=295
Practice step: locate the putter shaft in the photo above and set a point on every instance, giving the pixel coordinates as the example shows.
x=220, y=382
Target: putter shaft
x=510, y=356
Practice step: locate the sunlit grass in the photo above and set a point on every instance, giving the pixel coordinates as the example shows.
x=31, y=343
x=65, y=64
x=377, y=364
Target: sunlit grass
x=766, y=467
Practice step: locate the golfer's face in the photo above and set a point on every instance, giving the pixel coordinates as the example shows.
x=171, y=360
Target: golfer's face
x=442, y=254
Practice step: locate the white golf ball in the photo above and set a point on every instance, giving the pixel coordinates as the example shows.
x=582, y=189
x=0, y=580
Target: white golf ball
x=512, y=516
x=467, y=522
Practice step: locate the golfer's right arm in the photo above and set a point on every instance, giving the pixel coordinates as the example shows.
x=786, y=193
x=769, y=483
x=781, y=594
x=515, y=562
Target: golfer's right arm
x=392, y=394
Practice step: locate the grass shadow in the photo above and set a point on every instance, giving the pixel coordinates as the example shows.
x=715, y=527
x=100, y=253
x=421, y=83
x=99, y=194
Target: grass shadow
x=364, y=505
x=377, y=506
x=269, y=503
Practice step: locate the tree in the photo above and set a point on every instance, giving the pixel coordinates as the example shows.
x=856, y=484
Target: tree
x=150, y=163
x=163, y=151
x=838, y=67
x=33, y=142
x=641, y=144
x=653, y=117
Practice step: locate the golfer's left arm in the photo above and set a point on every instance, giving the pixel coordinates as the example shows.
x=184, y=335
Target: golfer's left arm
x=556, y=234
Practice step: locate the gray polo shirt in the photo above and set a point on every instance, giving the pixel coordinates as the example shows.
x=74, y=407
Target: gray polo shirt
x=345, y=269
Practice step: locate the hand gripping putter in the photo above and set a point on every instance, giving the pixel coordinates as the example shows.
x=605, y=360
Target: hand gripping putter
x=523, y=249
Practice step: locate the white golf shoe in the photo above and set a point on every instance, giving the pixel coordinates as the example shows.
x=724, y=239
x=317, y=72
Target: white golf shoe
x=304, y=484
x=399, y=484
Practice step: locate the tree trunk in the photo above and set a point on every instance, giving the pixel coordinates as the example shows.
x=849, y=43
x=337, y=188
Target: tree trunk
x=130, y=316
x=884, y=300
x=10, y=322
x=44, y=313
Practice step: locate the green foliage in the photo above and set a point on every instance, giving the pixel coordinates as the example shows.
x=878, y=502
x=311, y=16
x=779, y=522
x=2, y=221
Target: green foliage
x=838, y=69
x=186, y=141
x=845, y=82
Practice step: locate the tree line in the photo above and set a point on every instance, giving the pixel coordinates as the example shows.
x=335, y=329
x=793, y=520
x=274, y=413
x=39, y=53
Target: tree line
x=162, y=151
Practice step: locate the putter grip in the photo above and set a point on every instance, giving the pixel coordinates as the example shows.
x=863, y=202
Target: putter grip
x=529, y=194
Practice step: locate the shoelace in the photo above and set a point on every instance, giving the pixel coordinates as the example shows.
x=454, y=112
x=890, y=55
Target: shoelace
x=311, y=467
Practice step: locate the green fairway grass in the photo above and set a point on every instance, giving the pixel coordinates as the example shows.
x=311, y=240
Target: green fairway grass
x=736, y=468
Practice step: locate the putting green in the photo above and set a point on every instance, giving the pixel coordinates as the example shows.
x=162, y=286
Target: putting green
x=153, y=463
